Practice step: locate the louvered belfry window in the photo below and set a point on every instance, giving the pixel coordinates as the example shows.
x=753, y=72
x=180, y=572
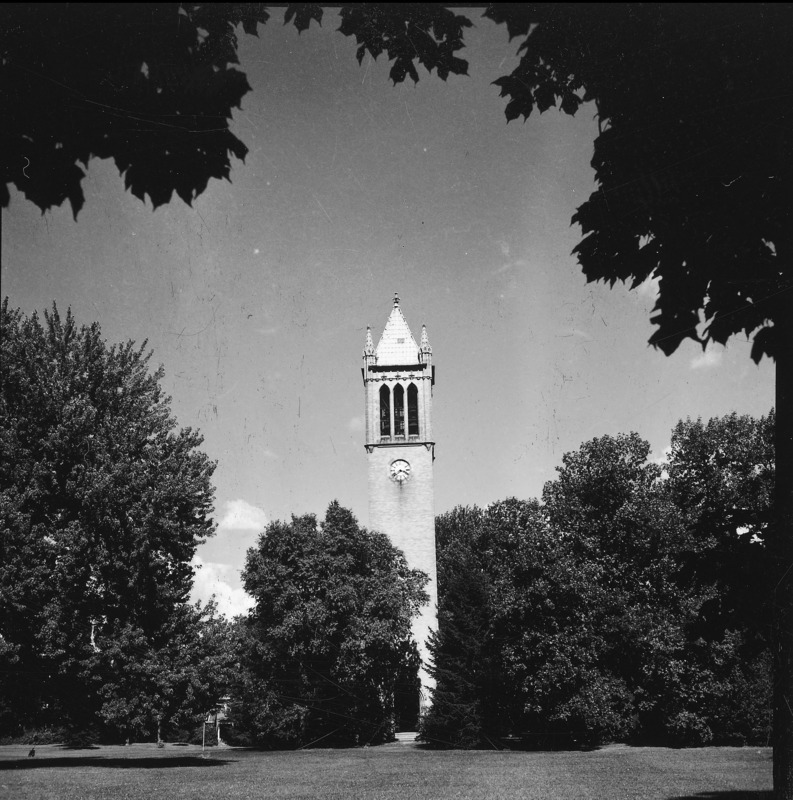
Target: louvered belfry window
x=399, y=411
x=413, y=410
x=385, y=411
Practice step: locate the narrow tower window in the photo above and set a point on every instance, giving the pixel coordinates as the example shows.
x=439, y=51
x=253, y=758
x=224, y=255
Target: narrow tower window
x=399, y=410
x=413, y=410
x=385, y=411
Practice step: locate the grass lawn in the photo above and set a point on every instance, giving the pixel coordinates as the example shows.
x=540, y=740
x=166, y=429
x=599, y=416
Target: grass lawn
x=394, y=771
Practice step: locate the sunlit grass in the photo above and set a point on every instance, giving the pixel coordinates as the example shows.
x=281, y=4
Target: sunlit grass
x=391, y=772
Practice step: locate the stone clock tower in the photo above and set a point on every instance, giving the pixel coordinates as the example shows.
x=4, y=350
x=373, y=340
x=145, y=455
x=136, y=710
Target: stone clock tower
x=398, y=376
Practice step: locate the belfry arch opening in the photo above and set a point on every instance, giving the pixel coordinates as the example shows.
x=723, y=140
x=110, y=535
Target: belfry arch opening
x=385, y=411
x=399, y=410
x=413, y=410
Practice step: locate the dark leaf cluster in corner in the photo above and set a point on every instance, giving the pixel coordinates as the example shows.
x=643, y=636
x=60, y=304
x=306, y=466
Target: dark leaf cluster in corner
x=302, y=14
x=692, y=158
x=150, y=85
x=428, y=33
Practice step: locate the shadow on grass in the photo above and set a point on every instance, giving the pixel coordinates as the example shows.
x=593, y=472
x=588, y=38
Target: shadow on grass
x=80, y=747
x=732, y=794
x=164, y=762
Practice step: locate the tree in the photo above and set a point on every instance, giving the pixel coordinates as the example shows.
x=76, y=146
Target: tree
x=691, y=163
x=547, y=626
x=611, y=584
x=169, y=682
x=654, y=556
x=721, y=476
x=150, y=85
x=464, y=705
x=103, y=501
x=329, y=634
x=460, y=715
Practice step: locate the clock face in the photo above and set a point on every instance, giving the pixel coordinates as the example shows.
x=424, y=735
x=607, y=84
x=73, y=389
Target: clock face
x=400, y=470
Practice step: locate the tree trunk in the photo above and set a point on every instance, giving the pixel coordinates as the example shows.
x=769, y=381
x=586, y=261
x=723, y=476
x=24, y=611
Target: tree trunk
x=783, y=561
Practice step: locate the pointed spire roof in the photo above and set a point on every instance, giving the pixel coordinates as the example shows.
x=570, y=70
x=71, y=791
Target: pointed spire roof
x=397, y=345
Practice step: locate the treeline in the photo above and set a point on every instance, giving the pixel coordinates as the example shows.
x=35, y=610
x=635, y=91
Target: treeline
x=631, y=604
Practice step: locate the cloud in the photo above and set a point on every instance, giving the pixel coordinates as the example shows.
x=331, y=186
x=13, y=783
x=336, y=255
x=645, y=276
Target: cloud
x=664, y=457
x=242, y=516
x=710, y=358
x=355, y=424
x=223, y=582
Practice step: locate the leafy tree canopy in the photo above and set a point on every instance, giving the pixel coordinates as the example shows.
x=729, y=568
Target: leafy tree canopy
x=329, y=635
x=150, y=85
x=103, y=501
x=617, y=608
x=462, y=710
x=153, y=85
x=721, y=475
x=693, y=156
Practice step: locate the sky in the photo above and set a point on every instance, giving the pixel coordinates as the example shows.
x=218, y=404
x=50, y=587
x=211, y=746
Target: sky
x=256, y=300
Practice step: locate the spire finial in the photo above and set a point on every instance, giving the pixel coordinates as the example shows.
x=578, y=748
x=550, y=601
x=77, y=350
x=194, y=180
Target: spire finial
x=396, y=299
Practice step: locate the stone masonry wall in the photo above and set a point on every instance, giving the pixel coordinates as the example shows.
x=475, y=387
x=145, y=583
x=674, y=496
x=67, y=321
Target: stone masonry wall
x=406, y=513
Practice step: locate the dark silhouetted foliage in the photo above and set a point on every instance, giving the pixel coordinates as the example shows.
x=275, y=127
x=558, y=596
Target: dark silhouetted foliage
x=629, y=606
x=329, y=636
x=103, y=501
x=150, y=85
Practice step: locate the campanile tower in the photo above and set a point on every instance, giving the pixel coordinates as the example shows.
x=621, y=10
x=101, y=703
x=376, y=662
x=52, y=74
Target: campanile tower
x=398, y=377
